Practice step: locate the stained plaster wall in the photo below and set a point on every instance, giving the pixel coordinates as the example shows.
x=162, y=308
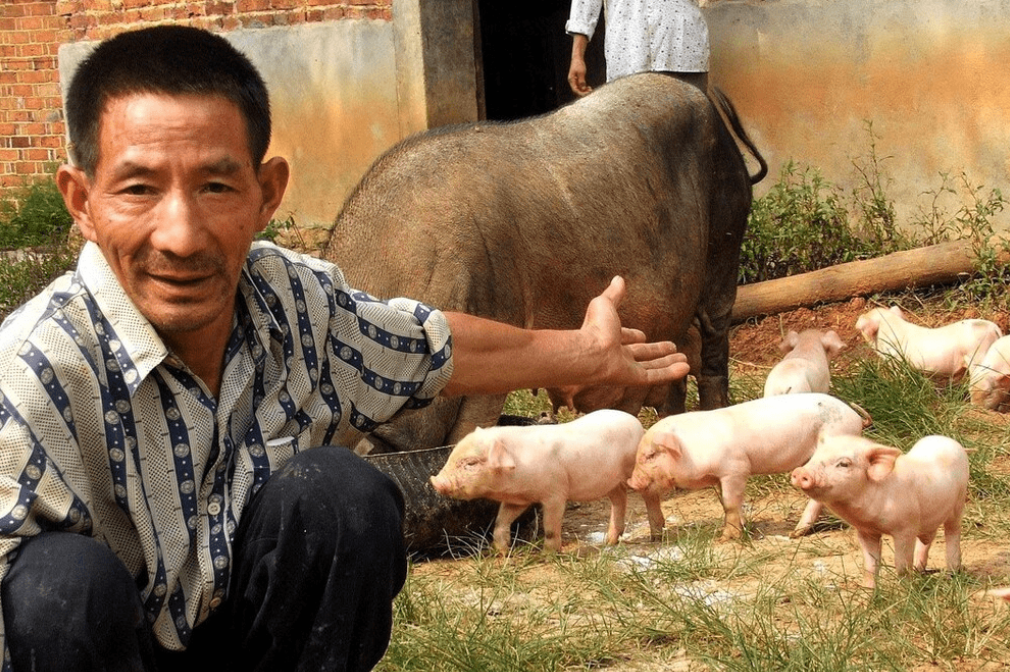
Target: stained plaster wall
x=808, y=76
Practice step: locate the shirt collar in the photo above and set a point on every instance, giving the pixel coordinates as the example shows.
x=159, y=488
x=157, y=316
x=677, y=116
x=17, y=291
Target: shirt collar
x=137, y=337
x=264, y=321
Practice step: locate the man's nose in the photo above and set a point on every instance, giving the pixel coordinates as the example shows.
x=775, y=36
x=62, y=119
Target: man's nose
x=181, y=227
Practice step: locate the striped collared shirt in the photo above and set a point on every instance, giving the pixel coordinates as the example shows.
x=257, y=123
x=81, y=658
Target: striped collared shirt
x=104, y=432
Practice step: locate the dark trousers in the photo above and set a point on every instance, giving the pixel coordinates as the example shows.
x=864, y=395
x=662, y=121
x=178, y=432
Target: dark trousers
x=318, y=558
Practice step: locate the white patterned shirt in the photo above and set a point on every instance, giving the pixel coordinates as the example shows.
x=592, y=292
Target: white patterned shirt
x=646, y=35
x=104, y=432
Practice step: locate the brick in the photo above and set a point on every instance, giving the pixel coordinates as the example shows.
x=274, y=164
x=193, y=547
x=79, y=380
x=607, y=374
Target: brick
x=41, y=9
x=45, y=36
x=249, y=6
x=30, y=23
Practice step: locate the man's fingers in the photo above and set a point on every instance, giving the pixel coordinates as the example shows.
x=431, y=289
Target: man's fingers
x=665, y=370
x=644, y=352
x=615, y=291
x=630, y=336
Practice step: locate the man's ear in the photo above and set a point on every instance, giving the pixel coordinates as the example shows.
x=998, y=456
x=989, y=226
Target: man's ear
x=75, y=187
x=273, y=178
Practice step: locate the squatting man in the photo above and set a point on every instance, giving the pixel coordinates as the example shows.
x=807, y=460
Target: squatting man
x=175, y=490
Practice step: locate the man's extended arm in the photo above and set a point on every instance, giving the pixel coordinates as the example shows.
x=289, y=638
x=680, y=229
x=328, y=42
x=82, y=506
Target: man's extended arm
x=491, y=357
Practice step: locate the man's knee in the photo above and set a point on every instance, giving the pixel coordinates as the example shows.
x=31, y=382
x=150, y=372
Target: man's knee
x=69, y=600
x=331, y=484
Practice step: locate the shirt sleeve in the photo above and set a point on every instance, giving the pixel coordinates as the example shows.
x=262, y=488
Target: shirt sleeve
x=583, y=17
x=34, y=495
x=406, y=348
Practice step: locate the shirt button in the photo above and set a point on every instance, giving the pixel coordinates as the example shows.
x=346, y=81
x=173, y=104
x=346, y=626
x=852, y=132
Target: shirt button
x=214, y=508
x=215, y=603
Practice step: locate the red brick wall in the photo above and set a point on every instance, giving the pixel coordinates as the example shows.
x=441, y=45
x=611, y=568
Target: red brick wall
x=31, y=31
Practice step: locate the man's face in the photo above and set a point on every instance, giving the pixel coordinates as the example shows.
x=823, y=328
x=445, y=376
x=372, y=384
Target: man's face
x=174, y=205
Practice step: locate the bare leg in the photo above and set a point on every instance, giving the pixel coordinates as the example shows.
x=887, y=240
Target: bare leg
x=922, y=546
x=870, y=544
x=732, y=488
x=656, y=517
x=810, y=515
x=507, y=514
x=618, y=508
x=952, y=540
x=904, y=551
x=554, y=512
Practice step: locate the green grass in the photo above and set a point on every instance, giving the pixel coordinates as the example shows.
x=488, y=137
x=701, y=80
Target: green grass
x=694, y=603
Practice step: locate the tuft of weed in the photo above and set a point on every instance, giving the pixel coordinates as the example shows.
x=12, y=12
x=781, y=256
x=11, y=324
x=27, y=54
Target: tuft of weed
x=33, y=216
x=799, y=225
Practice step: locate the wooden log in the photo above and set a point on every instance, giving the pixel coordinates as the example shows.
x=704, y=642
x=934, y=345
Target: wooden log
x=939, y=264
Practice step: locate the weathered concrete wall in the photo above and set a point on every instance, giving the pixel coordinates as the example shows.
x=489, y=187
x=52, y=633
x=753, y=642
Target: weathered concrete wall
x=930, y=75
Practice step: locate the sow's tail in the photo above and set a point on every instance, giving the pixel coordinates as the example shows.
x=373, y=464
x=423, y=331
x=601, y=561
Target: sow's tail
x=730, y=112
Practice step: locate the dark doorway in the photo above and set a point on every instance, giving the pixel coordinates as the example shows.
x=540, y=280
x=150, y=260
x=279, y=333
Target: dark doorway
x=525, y=54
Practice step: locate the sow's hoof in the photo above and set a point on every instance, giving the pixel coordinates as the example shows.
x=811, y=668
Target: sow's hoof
x=435, y=525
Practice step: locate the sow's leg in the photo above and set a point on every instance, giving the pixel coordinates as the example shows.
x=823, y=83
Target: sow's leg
x=713, y=379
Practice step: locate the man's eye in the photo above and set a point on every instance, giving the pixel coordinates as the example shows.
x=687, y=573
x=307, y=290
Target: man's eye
x=137, y=190
x=218, y=187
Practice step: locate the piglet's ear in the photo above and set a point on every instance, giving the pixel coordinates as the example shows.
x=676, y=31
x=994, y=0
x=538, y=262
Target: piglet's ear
x=789, y=342
x=881, y=459
x=832, y=342
x=498, y=457
x=668, y=442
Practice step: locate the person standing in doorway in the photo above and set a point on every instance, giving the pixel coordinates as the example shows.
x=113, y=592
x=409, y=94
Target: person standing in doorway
x=668, y=36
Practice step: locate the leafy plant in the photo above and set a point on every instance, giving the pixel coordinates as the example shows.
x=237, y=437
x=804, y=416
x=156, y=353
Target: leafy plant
x=800, y=225
x=33, y=216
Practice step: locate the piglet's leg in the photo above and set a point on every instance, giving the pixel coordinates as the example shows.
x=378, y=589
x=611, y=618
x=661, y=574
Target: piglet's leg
x=810, y=515
x=554, y=512
x=952, y=540
x=618, y=508
x=732, y=488
x=870, y=543
x=656, y=518
x=922, y=546
x=507, y=514
x=904, y=549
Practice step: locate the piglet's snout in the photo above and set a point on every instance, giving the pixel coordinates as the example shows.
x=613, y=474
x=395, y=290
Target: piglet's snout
x=441, y=484
x=801, y=478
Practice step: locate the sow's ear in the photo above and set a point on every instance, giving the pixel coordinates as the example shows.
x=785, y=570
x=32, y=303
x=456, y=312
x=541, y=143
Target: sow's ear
x=881, y=459
x=498, y=457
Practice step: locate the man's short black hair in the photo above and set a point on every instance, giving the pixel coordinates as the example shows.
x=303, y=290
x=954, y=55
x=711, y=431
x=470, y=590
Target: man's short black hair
x=172, y=60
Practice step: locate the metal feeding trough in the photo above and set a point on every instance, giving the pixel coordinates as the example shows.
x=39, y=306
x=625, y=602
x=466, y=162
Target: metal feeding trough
x=436, y=525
